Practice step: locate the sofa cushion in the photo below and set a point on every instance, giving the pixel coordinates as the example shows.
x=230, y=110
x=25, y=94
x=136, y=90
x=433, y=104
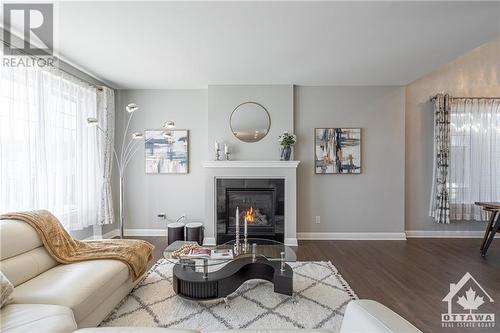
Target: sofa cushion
x=80, y=286
x=134, y=330
x=27, y=265
x=370, y=316
x=17, y=237
x=22, y=253
x=273, y=330
x=39, y=318
x=6, y=289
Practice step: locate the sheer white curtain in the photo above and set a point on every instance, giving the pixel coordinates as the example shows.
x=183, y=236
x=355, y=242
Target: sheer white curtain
x=49, y=158
x=106, y=119
x=474, y=166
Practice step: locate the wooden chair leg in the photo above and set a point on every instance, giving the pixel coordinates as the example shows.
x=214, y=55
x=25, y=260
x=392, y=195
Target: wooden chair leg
x=494, y=230
x=493, y=216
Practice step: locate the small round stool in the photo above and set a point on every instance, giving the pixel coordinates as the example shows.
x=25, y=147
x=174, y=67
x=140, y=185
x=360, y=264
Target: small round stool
x=175, y=232
x=194, y=232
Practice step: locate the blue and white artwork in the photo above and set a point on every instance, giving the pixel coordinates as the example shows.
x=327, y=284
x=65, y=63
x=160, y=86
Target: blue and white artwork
x=337, y=150
x=167, y=151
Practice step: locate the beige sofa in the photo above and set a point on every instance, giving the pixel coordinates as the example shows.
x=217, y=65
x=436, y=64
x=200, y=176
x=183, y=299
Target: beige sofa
x=49, y=297
x=361, y=316
x=52, y=297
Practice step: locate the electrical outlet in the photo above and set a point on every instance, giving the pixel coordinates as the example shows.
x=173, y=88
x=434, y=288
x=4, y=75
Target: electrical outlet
x=318, y=219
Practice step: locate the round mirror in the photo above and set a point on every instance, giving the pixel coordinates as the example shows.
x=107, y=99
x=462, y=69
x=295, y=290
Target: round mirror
x=250, y=122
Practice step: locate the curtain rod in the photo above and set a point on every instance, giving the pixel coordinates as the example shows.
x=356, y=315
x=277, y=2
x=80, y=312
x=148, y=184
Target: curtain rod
x=463, y=97
x=98, y=87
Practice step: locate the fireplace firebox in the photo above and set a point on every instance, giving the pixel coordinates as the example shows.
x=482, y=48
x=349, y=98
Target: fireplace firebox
x=260, y=201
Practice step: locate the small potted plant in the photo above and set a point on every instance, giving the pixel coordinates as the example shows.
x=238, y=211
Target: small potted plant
x=286, y=140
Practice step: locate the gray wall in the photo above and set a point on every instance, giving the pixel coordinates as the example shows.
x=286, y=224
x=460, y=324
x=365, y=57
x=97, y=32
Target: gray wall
x=277, y=99
x=477, y=73
x=397, y=146
x=372, y=201
x=148, y=195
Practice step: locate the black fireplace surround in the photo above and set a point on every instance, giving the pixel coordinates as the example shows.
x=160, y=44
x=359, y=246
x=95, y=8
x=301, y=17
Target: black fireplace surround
x=261, y=199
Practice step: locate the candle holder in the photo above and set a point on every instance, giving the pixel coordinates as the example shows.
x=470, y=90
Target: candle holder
x=218, y=156
x=227, y=151
x=237, y=232
x=245, y=236
x=237, y=242
x=282, y=257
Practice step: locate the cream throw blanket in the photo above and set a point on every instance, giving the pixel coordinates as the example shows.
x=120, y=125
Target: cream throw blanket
x=66, y=250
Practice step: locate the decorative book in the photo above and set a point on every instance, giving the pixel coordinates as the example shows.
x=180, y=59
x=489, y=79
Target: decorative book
x=199, y=252
x=222, y=254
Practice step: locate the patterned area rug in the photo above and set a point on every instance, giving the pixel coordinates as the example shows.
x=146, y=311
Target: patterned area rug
x=321, y=298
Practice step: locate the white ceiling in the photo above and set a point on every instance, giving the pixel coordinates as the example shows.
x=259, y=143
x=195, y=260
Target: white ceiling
x=191, y=45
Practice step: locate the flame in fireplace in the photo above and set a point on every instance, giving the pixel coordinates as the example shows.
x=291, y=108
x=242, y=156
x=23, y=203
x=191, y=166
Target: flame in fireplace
x=249, y=215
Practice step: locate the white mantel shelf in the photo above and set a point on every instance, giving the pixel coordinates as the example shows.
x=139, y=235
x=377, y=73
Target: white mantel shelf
x=250, y=164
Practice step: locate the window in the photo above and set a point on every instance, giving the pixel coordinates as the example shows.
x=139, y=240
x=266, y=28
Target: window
x=474, y=171
x=49, y=159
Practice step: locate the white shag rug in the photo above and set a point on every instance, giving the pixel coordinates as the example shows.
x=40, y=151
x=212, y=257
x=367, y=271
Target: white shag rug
x=321, y=294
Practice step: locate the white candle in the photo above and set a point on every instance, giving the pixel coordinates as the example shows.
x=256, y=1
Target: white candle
x=237, y=219
x=216, y=146
x=226, y=149
x=246, y=226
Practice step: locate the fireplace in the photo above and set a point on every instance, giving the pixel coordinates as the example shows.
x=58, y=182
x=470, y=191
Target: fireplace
x=260, y=201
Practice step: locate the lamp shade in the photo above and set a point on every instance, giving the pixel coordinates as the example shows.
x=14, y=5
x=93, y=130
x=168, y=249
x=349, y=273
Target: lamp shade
x=170, y=124
x=137, y=135
x=132, y=107
x=92, y=121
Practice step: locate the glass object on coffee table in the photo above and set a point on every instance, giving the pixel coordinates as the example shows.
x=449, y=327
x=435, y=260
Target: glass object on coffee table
x=257, y=247
x=215, y=276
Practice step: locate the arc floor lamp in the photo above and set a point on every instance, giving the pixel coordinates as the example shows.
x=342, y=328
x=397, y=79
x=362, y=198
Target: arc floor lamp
x=130, y=146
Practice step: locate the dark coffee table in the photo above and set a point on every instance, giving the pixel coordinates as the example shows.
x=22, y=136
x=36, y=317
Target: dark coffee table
x=208, y=278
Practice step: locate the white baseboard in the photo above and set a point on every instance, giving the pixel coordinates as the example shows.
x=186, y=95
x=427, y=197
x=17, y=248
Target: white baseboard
x=324, y=235
x=445, y=234
x=209, y=241
x=351, y=236
x=112, y=234
x=98, y=234
x=145, y=232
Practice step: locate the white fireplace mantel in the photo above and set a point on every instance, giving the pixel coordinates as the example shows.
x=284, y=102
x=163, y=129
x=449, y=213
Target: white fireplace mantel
x=286, y=170
x=250, y=164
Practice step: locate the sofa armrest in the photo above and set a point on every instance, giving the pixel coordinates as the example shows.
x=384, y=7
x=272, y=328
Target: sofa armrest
x=272, y=330
x=40, y=318
x=363, y=316
x=134, y=330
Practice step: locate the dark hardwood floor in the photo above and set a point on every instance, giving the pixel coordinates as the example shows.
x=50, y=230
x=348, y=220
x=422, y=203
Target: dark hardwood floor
x=411, y=277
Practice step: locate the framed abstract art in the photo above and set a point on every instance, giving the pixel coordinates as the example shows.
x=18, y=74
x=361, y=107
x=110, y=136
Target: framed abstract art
x=166, y=152
x=337, y=150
